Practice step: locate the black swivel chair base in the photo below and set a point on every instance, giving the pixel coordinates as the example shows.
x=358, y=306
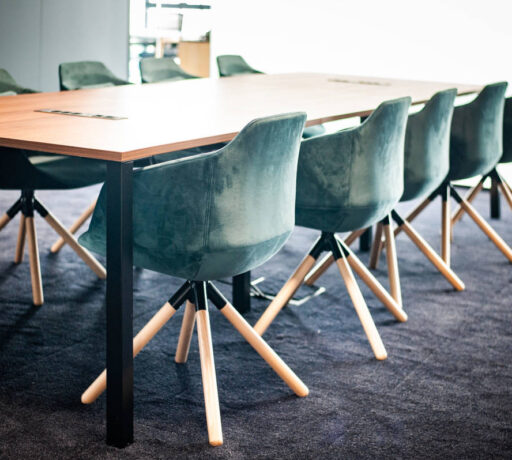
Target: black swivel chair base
x=345, y=260
x=196, y=295
x=27, y=204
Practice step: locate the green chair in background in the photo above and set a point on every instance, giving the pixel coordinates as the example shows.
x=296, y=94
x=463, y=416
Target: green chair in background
x=502, y=185
x=347, y=181
x=153, y=70
x=28, y=172
x=426, y=165
x=9, y=87
x=87, y=74
x=476, y=147
x=232, y=64
x=209, y=217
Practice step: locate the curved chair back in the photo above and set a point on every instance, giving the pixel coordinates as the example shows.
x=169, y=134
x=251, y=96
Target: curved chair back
x=353, y=178
x=507, y=132
x=218, y=214
x=232, y=64
x=476, y=141
x=86, y=74
x=153, y=70
x=427, y=146
x=9, y=87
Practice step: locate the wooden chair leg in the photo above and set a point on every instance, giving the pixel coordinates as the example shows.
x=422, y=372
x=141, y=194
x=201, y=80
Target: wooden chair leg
x=56, y=247
x=446, y=227
x=366, y=275
x=484, y=226
x=35, y=266
x=211, y=397
x=415, y=213
x=361, y=309
x=4, y=220
x=328, y=260
x=431, y=255
x=471, y=195
x=284, y=295
x=506, y=193
x=20, y=244
x=187, y=329
x=83, y=253
x=376, y=247
x=393, y=274
x=139, y=342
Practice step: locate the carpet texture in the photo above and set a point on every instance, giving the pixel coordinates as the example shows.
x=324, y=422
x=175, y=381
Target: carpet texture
x=444, y=392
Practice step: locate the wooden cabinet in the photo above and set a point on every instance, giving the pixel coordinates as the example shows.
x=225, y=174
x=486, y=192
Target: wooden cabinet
x=195, y=58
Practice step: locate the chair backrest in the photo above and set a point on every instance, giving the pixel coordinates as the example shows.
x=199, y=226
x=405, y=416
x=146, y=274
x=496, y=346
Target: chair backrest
x=86, y=74
x=153, y=70
x=427, y=146
x=353, y=178
x=217, y=214
x=476, y=141
x=8, y=85
x=507, y=132
x=232, y=64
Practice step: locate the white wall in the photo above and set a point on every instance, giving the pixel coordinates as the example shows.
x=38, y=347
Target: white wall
x=37, y=35
x=449, y=40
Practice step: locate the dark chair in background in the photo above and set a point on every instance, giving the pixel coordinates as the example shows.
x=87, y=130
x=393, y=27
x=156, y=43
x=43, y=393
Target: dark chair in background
x=209, y=217
x=87, y=74
x=347, y=181
x=154, y=70
x=232, y=64
x=9, y=86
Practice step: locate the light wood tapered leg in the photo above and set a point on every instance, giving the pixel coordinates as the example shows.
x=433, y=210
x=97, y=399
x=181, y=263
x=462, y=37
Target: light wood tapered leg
x=20, y=244
x=264, y=350
x=187, y=329
x=366, y=275
x=328, y=260
x=211, y=396
x=506, y=193
x=4, y=220
x=432, y=256
x=56, y=247
x=83, y=253
x=446, y=227
x=376, y=247
x=139, y=342
x=487, y=229
x=361, y=309
x=415, y=213
x=35, y=266
x=393, y=274
x=470, y=196
x=284, y=295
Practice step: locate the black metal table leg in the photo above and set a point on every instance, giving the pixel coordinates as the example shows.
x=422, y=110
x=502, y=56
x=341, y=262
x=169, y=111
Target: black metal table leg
x=365, y=240
x=119, y=304
x=495, y=199
x=242, y=292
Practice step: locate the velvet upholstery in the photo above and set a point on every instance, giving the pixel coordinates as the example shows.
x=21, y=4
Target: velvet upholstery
x=9, y=85
x=427, y=146
x=217, y=214
x=232, y=64
x=476, y=141
x=22, y=169
x=153, y=70
x=87, y=74
x=353, y=178
x=507, y=132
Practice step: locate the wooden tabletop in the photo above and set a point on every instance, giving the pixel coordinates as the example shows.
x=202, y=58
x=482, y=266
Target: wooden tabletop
x=164, y=117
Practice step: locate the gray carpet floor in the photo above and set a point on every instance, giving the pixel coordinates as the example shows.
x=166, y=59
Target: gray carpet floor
x=444, y=392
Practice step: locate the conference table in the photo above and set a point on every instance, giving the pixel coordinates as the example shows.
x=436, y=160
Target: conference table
x=126, y=123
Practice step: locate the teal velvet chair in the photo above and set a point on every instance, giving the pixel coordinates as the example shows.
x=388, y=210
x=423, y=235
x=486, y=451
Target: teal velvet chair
x=9, y=85
x=497, y=180
x=476, y=147
x=208, y=217
x=28, y=172
x=347, y=181
x=87, y=74
x=232, y=64
x=154, y=70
